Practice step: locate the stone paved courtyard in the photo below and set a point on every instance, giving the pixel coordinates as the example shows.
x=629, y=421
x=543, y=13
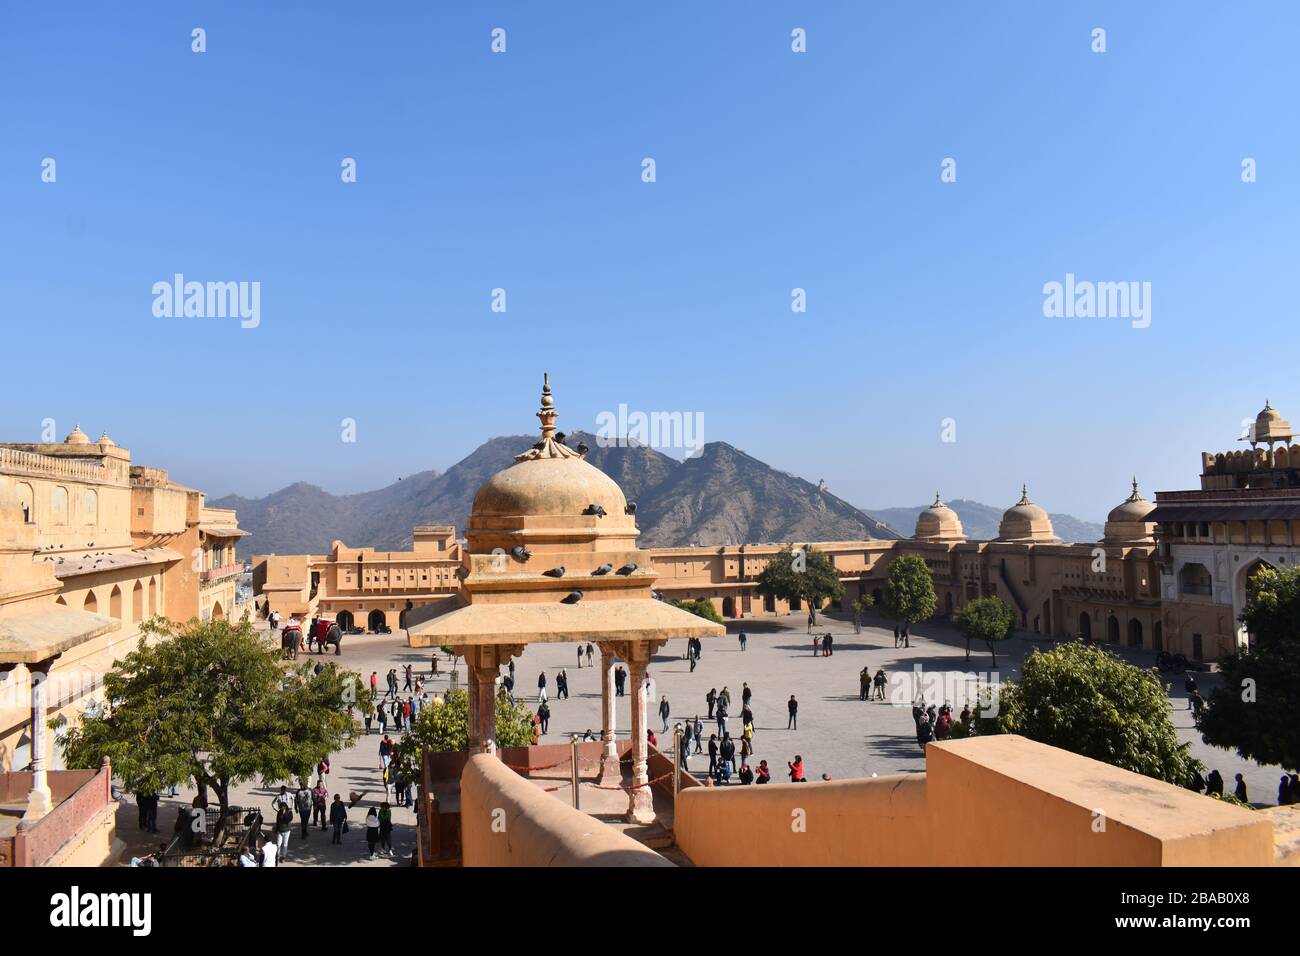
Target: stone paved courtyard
x=838, y=734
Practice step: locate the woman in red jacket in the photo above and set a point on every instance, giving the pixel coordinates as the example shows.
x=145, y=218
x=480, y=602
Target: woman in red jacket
x=764, y=775
x=796, y=770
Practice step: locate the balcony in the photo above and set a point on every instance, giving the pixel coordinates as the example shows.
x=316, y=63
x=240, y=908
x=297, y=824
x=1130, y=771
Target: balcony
x=223, y=573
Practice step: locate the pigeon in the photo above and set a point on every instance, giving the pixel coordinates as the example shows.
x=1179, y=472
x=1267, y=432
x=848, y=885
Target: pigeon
x=573, y=598
x=629, y=508
x=559, y=437
x=596, y=510
x=603, y=569
x=555, y=572
x=520, y=553
x=628, y=568
x=582, y=448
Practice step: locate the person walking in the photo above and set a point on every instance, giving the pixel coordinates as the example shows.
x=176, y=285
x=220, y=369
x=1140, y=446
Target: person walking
x=541, y=686
x=792, y=706
x=711, y=698
x=386, y=829
x=410, y=679
x=713, y=754
x=620, y=676
x=828, y=645
x=1240, y=790
x=743, y=640
x=720, y=714
x=879, y=681
x=338, y=818
x=579, y=657
x=589, y=653
x=727, y=751
x=283, y=824
x=374, y=685
x=864, y=683
x=697, y=733
x=746, y=695
x=907, y=637
x=562, y=685
x=897, y=635
x=664, y=711
x=544, y=716
x=319, y=803
x=1189, y=685
x=372, y=830
x=303, y=801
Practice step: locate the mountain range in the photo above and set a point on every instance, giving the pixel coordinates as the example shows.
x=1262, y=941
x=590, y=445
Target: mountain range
x=721, y=496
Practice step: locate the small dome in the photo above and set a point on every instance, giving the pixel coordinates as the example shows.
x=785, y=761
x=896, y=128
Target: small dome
x=77, y=437
x=1127, y=522
x=938, y=523
x=1025, y=521
x=105, y=440
x=548, y=486
x=1270, y=426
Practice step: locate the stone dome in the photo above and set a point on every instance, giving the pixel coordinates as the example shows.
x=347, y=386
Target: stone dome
x=1270, y=426
x=105, y=440
x=938, y=523
x=1127, y=522
x=1026, y=522
x=77, y=437
x=548, y=486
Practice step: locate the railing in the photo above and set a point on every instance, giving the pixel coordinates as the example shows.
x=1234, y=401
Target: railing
x=221, y=573
x=15, y=461
x=35, y=845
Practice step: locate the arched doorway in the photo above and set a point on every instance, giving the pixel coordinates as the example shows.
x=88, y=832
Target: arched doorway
x=376, y=620
x=1134, y=632
x=1085, y=626
x=153, y=596
x=1112, y=630
x=344, y=621
x=217, y=612
x=92, y=604
x=137, y=602
x=1158, y=636
x=728, y=607
x=115, y=603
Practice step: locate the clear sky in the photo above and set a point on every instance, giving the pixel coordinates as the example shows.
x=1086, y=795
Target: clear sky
x=775, y=170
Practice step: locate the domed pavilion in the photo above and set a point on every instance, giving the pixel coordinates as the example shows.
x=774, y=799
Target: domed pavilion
x=1026, y=523
x=1129, y=522
x=938, y=523
x=552, y=556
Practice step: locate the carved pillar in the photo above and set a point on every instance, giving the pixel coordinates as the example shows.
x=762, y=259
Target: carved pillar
x=39, y=800
x=641, y=808
x=481, y=665
x=610, y=771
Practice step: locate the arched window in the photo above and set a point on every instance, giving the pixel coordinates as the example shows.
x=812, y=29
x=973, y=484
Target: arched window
x=153, y=596
x=1085, y=625
x=91, y=604
x=59, y=505
x=1194, y=579
x=115, y=603
x=25, y=501
x=1134, y=632
x=137, y=602
x=89, y=506
x=1112, y=630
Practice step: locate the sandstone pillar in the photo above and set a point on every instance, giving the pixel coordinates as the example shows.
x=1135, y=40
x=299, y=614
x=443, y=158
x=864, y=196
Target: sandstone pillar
x=611, y=774
x=481, y=663
x=39, y=800
x=641, y=808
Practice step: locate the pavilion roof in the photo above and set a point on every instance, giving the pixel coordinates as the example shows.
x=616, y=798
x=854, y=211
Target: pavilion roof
x=40, y=635
x=537, y=623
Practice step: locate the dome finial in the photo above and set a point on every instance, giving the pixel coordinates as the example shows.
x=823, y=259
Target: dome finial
x=1136, y=496
x=1024, y=495
x=547, y=412
x=936, y=499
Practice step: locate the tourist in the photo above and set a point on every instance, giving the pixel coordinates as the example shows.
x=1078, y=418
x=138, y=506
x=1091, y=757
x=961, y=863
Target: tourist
x=369, y=716
x=433, y=664
x=1214, y=784
x=1189, y=685
x=812, y=619
x=588, y=735
x=383, y=718
x=792, y=706
x=651, y=738
x=746, y=773
x=817, y=645
x=544, y=716
x=1198, y=782
x=698, y=732
x=589, y=653
x=541, y=686
x=562, y=685
x=713, y=754
x=386, y=829
x=764, y=775
x=579, y=657
x=391, y=678
x=374, y=685
x=303, y=801
x=683, y=746
x=743, y=641
x=711, y=698
x=796, y=770
x=385, y=752
x=410, y=679
x=727, y=751
x=880, y=681
x=248, y=856
x=664, y=711
x=720, y=713
x=907, y=638
x=319, y=797
x=283, y=823
x=686, y=729
x=924, y=730
x=372, y=830
x=746, y=695
x=620, y=678
x=864, y=683
x=897, y=635
x=1240, y=790
x=828, y=645
x=746, y=743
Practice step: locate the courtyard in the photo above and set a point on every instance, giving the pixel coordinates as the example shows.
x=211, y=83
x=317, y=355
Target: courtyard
x=838, y=734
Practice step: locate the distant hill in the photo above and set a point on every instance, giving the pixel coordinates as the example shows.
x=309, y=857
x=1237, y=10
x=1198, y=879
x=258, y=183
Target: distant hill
x=723, y=496
x=980, y=521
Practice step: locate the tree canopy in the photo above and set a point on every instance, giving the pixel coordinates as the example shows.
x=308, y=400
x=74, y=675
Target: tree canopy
x=804, y=574
x=909, y=590
x=444, y=727
x=987, y=619
x=1086, y=700
x=1253, y=708
x=213, y=702
x=700, y=607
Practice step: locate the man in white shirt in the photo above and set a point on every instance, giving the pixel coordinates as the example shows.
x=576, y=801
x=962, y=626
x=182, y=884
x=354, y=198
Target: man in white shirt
x=269, y=850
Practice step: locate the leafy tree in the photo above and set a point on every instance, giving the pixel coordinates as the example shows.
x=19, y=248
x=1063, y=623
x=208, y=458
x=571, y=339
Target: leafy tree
x=1253, y=708
x=860, y=607
x=804, y=574
x=987, y=619
x=700, y=607
x=909, y=590
x=444, y=726
x=213, y=702
x=1086, y=700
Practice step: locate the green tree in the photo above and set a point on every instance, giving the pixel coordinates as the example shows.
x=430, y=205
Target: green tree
x=214, y=703
x=700, y=607
x=1086, y=700
x=1253, y=708
x=987, y=619
x=860, y=607
x=909, y=590
x=444, y=726
x=804, y=574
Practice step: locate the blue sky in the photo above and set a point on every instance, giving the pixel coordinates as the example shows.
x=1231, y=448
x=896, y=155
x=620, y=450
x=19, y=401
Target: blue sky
x=775, y=170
